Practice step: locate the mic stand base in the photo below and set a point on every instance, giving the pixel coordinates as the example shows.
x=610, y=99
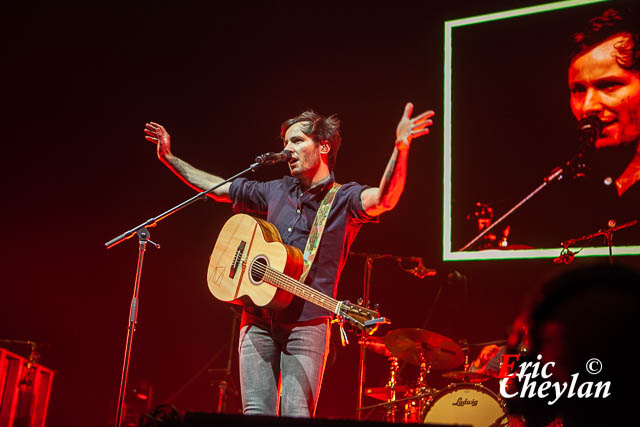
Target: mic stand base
x=223, y=385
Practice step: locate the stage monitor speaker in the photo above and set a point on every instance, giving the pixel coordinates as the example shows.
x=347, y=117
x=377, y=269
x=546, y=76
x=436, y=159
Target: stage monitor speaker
x=25, y=389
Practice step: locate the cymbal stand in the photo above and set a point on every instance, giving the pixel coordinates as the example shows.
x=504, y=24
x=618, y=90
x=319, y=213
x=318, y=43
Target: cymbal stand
x=465, y=349
x=390, y=415
x=421, y=389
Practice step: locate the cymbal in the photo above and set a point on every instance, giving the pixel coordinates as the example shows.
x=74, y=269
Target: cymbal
x=466, y=376
x=384, y=393
x=437, y=350
x=376, y=344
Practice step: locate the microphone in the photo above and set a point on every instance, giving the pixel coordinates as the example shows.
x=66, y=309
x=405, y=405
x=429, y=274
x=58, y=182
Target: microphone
x=589, y=129
x=273, y=158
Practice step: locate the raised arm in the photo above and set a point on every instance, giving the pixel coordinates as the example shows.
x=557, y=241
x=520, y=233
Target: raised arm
x=195, y=178
x=384, y=198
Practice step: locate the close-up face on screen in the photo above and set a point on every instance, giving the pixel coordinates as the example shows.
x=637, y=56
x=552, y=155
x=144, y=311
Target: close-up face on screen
x=541, y=134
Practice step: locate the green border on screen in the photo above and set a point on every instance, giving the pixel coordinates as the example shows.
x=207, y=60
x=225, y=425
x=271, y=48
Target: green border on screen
x=447, y=253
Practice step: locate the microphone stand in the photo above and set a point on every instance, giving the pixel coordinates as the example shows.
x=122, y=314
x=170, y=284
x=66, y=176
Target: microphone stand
x=607, y=233
x=143, y=238
x=368, y=267
x=556, y=174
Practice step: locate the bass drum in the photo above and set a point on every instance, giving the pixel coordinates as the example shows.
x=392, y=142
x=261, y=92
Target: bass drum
x=470, y=404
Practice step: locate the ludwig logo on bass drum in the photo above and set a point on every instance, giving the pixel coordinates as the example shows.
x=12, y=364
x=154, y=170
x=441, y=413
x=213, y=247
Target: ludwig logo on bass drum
x=464, y=402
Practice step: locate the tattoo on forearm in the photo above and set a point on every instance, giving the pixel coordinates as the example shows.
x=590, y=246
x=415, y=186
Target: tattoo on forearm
x=388, y=172
x=392, y=182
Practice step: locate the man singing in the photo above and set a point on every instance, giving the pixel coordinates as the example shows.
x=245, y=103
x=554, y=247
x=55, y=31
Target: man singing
x=604, y=80
x=283, y=354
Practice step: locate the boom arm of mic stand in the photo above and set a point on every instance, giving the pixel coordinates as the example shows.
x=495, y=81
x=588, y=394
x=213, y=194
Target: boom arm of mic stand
x=604, y=232
x=553, y=176
x=151, y=222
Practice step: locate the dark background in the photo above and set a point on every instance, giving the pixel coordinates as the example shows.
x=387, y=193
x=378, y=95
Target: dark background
x=79, y=84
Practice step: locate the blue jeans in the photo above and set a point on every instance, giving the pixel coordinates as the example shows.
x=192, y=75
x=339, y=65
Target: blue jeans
x=281, y=367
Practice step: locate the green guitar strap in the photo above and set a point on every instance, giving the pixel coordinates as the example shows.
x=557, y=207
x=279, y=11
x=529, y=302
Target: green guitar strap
x=315, y=234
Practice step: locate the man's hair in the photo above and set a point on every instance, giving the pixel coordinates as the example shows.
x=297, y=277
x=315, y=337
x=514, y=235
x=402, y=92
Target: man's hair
x=319, y=128
x=606, y=25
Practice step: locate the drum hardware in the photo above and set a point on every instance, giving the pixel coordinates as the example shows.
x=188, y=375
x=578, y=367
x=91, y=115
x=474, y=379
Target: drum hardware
x=413, y=344
x=393, y=371
x=466, y=376
x=414, y=409
x=384, y=393
x=428, y=350
x=465, y=349
x=395, y=402
x=424, y=370
x=375, y=344
x=415, y=399
x=465, y=401
x=419, y=271
x=369, y=259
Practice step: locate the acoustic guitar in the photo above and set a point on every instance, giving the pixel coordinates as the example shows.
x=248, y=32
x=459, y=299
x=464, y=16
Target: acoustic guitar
x=250, y=265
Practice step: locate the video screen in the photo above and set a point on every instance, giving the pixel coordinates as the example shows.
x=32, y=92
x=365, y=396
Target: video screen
x=520, y=155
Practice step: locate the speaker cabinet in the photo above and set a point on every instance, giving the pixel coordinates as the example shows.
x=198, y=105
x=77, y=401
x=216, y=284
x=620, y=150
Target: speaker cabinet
x=25, y=389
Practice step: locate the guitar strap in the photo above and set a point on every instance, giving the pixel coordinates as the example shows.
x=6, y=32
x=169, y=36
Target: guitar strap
x=315, y=234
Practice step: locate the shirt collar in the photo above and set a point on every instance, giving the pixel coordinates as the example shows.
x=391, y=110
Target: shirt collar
x=320, y=187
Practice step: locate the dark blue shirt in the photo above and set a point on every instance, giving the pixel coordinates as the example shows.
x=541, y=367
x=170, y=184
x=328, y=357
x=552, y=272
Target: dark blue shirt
x=292, y=211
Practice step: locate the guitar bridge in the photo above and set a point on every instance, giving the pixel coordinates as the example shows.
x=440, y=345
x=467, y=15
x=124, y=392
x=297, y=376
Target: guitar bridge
x=237, y=258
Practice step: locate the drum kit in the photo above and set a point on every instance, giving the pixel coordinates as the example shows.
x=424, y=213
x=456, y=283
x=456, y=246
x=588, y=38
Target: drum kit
x=464, y=401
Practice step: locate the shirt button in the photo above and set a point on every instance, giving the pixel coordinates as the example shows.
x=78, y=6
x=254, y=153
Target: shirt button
x=298, y=211
x=289, y=229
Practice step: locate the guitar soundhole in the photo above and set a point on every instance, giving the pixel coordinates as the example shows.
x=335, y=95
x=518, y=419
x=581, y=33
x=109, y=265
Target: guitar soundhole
x=258, y=268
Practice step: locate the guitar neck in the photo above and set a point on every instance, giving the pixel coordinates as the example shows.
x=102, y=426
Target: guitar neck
x=299, y=289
